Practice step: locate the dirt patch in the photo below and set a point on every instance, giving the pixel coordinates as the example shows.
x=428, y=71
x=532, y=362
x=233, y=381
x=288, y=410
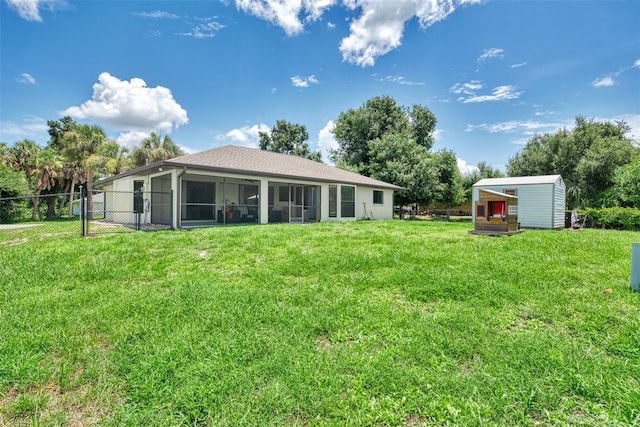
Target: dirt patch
x=324, y=343
x=47, y=403
x=414, y=421
x=17, y=241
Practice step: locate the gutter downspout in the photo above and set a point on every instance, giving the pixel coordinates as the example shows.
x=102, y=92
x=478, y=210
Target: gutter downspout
x=178, y=191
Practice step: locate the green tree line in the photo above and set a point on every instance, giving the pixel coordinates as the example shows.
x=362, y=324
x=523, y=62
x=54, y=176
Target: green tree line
x=76, y=154
x=600, y=165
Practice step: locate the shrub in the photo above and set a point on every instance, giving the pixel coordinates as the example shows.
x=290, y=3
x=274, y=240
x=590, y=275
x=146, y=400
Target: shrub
x=615, y=218
x=12, y=184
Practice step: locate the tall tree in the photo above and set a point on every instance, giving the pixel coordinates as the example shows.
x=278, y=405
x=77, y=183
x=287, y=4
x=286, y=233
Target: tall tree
x=23, y=156
x=627, y=183
x=116, y=158
x=449, y=190
x=288, y=138
x=84, y=144
x=48, y=167
x=155, y=148
x=12, y=184
x=72, y=173
x=397, y=159
x=355, y=129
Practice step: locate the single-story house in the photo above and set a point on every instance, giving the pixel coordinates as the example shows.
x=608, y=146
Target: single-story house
x=541, y=199
x=233, y=184
x=496, y=213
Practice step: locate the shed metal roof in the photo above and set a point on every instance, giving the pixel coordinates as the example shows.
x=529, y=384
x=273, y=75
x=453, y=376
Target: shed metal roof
x=519, y=180
x=498, y=193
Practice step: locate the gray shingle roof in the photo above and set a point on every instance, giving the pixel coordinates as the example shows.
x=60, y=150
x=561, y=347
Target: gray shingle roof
x=231, y=158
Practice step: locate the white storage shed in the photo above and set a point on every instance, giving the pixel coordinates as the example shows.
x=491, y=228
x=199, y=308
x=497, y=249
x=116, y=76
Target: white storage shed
x=541, y=199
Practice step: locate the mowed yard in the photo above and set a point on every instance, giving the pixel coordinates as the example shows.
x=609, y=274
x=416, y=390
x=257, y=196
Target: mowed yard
x=380, y=323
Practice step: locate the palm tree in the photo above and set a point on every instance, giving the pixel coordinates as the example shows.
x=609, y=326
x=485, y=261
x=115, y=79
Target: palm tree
x=116, y=158
x=23, y=156
x=155, y=148
x=6, y=156
x=47, y=168
x=84, y=148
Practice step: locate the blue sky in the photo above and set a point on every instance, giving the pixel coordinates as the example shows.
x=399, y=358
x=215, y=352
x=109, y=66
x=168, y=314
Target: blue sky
x=211, y=73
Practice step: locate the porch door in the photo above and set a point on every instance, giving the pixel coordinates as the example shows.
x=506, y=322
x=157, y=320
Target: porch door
x=296, y=206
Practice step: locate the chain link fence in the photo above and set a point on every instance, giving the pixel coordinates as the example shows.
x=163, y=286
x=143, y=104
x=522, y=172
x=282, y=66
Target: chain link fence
x=87, y=214
x=106, y=212
x=39, y=216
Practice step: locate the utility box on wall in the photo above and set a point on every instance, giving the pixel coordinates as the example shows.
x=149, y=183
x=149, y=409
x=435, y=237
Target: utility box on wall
x=635, y=267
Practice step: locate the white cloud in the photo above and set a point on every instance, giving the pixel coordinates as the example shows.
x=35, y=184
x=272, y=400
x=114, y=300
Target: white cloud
x=376, y=31
x=131, y=139
x=130, y=106
x=603, y=82
x=494, y=52
x=331, y=25
x=246, y=136
x=157, y=14
x=304, y=81
x=500, y=93
x=30, y=9
x=526, y=127
x=467, y=88
x=27, y=79
x=522, y=64
x=204, y=31
x=326, y=140
x=609, y=80
x=465, y=168
x=31, y=127
x=285, y=13
x=400, y=80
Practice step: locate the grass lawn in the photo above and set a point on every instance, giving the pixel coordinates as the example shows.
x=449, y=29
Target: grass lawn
x=382, y=323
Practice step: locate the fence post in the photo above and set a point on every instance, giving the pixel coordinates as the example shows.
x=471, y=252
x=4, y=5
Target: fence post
x=82, y=210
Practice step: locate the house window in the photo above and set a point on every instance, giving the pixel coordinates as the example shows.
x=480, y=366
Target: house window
x=333, y=201
x=377, y=197
x=271, y=195
x=511, y=192
x=347, y=201
x=479, y=211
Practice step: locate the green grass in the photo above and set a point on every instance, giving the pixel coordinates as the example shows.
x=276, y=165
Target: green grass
x=383, y=323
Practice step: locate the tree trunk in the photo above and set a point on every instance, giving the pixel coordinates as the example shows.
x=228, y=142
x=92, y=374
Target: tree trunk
x=73, y=185
x=36, y=207
x=63, y=200
x=51, y=207
x=89, y=195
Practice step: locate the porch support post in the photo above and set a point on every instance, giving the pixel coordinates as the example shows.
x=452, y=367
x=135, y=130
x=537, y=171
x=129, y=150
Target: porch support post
x=175, y=186
x=264, y=201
